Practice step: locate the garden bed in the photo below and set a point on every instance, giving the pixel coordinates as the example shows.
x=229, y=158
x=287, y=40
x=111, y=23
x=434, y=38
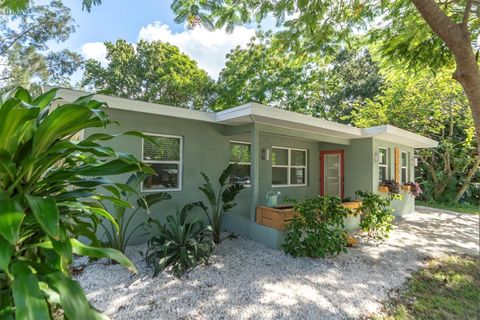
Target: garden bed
x=246, y=280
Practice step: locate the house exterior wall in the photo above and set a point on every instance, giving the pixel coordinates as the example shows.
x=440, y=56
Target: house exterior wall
x=206, y=148
x=358, y=173
x=406, y=204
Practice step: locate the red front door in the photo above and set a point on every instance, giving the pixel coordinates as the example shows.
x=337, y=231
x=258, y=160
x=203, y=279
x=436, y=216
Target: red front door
x=331, y=173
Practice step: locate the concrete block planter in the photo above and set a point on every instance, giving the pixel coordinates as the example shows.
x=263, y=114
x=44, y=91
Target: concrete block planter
x=352, y=221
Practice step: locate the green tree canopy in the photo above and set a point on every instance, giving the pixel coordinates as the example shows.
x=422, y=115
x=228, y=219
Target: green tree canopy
x=150, y=71
x=24, y=53
x=412, y=33
x=268, y=72
x=431, y=106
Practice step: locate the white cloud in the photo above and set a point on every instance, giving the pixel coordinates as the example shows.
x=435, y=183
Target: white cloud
x=208, y=48
x=95, y=50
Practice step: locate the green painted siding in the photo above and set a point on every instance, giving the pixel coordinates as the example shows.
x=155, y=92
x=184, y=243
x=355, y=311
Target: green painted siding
x=358, y=165
x=407, y=204
x=206, y=148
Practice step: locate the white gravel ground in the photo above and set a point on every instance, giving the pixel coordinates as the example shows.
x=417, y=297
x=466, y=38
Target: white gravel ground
x=246, y=280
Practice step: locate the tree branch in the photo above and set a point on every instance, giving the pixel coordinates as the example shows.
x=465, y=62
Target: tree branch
x=466, y=13
x=440, y=23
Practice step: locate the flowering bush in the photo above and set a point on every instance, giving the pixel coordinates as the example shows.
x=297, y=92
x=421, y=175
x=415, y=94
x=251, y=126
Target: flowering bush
x=415, y=189
x=393, y=186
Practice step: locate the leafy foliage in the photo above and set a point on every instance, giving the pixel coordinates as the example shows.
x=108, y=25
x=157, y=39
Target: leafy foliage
x=317, y=228
x=415, y=189
x=51, y=195
x=220, y=202
x=180, y=243
x=119, y=237
x=24, y=38
x=377, y=213
x=268, y=72
x=392, y=185
x=151, y=71
x=432, y=106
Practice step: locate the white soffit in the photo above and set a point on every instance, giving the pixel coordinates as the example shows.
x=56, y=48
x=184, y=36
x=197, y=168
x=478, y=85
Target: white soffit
x=397, y=135
x=255, y=112
x=141, y=106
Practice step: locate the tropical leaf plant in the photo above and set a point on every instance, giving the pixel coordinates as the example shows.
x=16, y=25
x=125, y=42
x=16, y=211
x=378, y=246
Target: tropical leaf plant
x=52, y=190
x=220, y=202
x=120, y=238
x=180, y=243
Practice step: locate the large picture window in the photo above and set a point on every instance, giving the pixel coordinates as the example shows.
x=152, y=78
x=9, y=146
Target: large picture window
x=240, y=154
x=165, y=157
x=289, y=167
x=383, y=165
x=404, y=167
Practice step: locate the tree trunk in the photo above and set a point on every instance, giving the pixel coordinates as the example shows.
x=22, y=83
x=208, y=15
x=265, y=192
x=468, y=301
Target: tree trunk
x=468, y=180
x=457, y=38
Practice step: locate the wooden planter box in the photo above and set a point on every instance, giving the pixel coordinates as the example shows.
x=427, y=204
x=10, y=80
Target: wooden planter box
x=383, y=189
x=406, y=187
x=276, y=218
x=352, y=204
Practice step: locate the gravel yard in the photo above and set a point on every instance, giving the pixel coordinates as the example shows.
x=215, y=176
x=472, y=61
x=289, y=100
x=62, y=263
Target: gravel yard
x=246, y=280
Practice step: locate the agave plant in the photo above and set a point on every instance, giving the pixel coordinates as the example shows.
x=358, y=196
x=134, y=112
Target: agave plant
x=51, y=194
x=119, y=238
x=180, y=243
x=220, y=202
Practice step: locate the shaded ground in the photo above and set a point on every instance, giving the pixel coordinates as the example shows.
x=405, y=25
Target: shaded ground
x=447, y=288
x=246, y=280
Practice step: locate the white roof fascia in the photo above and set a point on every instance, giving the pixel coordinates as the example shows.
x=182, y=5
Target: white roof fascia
x=259, y=110
x=248, y=112
x=397, y=135
x=141, y=106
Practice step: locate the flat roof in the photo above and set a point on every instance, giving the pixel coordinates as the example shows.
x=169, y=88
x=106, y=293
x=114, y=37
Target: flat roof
x=259, y=113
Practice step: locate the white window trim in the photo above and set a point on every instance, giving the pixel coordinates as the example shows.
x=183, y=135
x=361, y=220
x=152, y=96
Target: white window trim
x=289, y=166
x=179, y=162
x=386, y=165
x=243, y=163
x=404, y=167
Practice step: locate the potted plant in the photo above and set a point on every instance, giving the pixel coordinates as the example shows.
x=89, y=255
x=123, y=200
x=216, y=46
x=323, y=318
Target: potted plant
x=391, y=186
x=413, y=188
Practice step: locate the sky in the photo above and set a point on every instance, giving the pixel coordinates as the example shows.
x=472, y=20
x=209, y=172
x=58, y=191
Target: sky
x=150, y=20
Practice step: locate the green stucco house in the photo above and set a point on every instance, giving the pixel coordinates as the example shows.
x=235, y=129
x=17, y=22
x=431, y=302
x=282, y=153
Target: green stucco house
x=275, y=149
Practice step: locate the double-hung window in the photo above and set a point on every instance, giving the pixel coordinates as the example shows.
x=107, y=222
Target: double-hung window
x=164, y=155
x=383, y=164
x=404, y=167
x=240, y=155
x=289, y=167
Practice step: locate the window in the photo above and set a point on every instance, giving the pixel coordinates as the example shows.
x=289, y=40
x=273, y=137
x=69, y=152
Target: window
x=165, y=158
x=289, y=167
x=383, y=169
x=404, y=167
x=240, y=154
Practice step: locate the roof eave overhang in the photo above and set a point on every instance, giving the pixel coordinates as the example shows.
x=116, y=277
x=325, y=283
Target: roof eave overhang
x=396, y=135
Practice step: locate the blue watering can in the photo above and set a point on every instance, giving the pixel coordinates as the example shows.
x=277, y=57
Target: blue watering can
x=272, y=198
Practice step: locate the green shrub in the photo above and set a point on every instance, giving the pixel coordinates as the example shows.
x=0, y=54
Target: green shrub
x=377, y=214
x=220, y=202
x=119, y=238
x=50, y=195
x=180, y=243
x=317, y=229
